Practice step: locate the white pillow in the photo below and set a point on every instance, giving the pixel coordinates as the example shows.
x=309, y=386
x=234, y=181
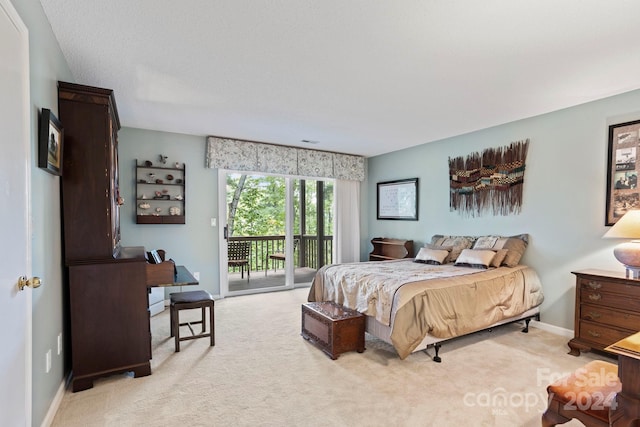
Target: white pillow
x=431, y=256
x=477, y=258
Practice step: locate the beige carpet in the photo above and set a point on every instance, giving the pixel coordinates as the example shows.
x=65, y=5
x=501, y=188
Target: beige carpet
x=262, y=373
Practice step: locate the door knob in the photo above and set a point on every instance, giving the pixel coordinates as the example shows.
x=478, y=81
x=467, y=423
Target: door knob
x=34, y=282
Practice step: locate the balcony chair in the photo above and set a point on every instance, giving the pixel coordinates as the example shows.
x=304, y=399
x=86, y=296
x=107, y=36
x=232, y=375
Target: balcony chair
x=278, y=256
x=239, y=254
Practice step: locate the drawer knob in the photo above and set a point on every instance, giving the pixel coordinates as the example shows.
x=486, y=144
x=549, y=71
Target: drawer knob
x=595, y=297
x=593, y=334
x=594, y=285
x=594, y=315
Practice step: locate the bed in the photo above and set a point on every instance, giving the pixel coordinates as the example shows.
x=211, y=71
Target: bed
x=455, y=286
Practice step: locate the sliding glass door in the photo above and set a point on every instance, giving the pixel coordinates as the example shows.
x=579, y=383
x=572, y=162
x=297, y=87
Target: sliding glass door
x=274, y=234
x=313, y=222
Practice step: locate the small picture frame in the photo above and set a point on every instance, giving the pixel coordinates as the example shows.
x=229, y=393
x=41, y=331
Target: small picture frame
x=623, y=193
x=398, y=200
x=50, y=143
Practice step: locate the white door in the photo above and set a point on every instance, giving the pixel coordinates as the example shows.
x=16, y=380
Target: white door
x=15, y=250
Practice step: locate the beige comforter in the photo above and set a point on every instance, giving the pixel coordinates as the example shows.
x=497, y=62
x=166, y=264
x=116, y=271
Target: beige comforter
x=417, y=299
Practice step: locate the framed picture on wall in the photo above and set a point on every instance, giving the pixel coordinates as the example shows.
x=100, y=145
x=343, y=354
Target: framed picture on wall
x=622, y=171
x=50, y=143
x=398, y=200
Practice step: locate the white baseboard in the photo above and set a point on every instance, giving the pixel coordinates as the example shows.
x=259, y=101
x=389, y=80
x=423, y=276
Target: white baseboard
x=568, y=333
x=55, y=404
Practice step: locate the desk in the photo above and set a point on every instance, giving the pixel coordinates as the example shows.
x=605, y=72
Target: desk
x=627, y=409
x=183, y=277
x=157, y=280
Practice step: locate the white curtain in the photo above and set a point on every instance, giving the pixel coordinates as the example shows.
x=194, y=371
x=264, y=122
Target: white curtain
x=347, y=221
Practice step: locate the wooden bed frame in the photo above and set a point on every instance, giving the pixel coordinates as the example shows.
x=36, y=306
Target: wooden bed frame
x=383, y=332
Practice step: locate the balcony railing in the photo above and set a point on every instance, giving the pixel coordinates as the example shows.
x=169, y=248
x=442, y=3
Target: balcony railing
x=304, y=255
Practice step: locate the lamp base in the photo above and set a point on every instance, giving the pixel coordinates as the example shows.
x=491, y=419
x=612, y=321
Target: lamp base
x=628, y=254
x=632, y=272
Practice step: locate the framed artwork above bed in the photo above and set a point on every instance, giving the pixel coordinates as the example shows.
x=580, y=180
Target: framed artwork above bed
x=398, y=200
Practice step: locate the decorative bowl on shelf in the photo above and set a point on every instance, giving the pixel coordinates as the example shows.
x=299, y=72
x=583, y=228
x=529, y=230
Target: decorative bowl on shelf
x=148, y=163
x=169, y=177
x=178, y=181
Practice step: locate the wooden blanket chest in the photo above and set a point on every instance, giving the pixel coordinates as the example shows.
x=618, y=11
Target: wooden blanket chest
x=333, y=328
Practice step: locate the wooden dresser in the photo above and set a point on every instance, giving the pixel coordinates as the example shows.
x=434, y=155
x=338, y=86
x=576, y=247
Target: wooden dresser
x=107, y=283
x=385, y=249
x=607, y=309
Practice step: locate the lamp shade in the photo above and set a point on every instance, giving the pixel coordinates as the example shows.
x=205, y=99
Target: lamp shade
x=627, y=227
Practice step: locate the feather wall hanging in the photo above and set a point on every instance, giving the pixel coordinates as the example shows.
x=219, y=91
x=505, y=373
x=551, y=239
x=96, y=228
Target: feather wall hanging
x=490, y=181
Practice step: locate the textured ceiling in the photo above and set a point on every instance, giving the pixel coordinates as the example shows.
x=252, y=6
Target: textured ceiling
x=360, y=76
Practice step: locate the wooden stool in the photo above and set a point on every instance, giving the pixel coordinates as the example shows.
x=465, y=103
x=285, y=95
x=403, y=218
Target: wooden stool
x=586, y=395
x=189, y=300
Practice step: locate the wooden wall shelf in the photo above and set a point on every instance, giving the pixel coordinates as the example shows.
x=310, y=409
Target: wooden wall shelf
x=171, y=184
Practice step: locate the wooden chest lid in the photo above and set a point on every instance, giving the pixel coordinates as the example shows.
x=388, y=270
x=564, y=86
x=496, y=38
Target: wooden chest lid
x=332, y=310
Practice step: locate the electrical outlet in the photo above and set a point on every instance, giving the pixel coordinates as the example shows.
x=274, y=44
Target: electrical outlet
x=213, y=222
x=59, y=343
x=196, y=275
x=48, y=361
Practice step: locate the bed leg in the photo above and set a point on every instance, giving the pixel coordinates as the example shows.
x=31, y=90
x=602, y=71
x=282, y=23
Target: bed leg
x=526, y=325
x=437, y=358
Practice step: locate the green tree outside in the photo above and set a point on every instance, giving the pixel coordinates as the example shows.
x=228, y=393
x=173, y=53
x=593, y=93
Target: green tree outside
x=256, y=205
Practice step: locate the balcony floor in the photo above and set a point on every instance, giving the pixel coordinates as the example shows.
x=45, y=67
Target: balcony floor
x=258, y=280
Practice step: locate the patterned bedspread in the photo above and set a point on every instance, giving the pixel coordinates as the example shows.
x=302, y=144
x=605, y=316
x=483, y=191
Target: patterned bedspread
x=417, y=299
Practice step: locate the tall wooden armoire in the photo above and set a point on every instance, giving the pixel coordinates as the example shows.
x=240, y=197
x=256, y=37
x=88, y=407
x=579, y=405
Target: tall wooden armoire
x=109, y=318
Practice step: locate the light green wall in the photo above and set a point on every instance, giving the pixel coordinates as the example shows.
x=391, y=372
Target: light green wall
x=564, y=194
x=47, y=66
x=194, y=244
x=563, y=210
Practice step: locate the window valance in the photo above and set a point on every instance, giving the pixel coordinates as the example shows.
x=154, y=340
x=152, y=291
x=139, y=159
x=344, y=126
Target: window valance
x=226, y=153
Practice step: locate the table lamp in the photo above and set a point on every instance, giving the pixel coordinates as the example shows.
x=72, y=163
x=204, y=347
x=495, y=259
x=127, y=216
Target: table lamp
x=628, y=253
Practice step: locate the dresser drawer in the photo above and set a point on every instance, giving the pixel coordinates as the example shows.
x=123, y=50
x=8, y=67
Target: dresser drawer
x=595, y=285
x=610, y=300
x=602, y=334
x=608, y=316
